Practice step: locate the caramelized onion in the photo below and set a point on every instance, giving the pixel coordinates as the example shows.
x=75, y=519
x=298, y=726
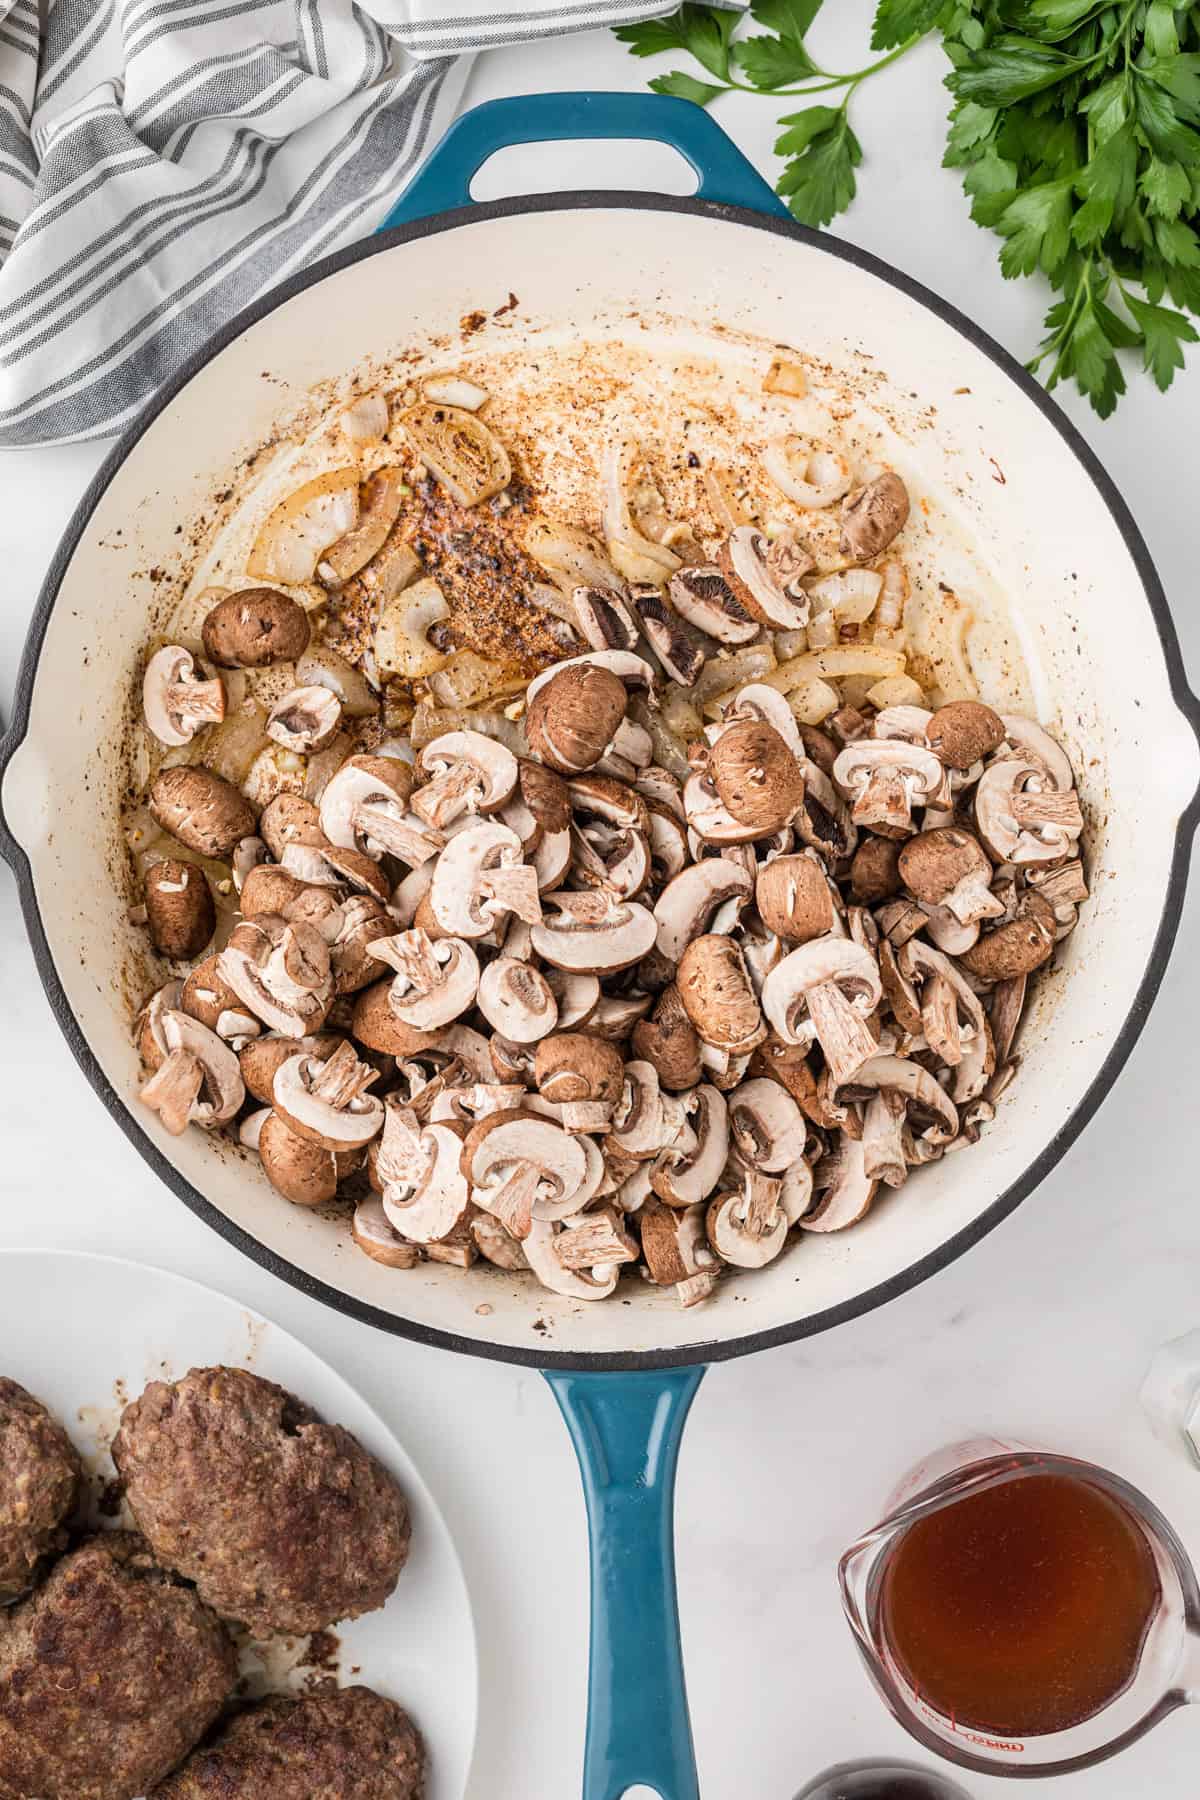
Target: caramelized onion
x=380, y=500
x=571, y=557
x=634, y=555
x=301, y=528
x=469, y=460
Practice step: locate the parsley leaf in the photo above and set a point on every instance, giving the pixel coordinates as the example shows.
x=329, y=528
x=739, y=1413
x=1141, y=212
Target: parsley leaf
x=1164, y=333
x=1037, y=228
x=1011, y=70
x=705, y=31
x=772, y=62
x=1106, y=185
x=819, y=182
x=898, y=20
x=790, y=18
x=1166, y=187
x=686, y=87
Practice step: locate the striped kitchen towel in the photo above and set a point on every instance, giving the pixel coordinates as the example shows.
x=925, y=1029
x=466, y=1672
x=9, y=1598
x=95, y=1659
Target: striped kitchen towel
x=164, y=162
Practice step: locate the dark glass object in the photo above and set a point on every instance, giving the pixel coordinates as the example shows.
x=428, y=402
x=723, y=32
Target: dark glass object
x=879, y=1780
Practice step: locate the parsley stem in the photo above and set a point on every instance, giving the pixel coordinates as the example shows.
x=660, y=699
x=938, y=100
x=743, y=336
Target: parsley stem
x=831, y=81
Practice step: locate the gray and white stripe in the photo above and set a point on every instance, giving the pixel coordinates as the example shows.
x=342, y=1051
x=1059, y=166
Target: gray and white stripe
x=164, y=162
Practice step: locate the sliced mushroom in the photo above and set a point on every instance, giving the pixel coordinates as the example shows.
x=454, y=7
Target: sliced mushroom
x=582, y=1073
x=767, y=1126
x=198, y=1080
x=515, y=999
x=947, y=999
x=572, y=718
x=884, y=779
x=365, y=807
x=718, y=994
x=176, y=702
x=480, y=878
x=1020, y=818
x=327, y=1102
x=917, y=1100
x=702, y=596
x=435, y=983
x=844, y=1189
x=280, y=972
x=307, y=718
x=497, y=1245
x=1033, y=744
x=467, y=773
x=514, y=1160
x=591, y=933
x=669, y=1042
x=436, y=1203
x=373, y=1234
x=1018, y=947
x=873, y=516
x=748, y=1228
x=200, y=809
x=577, y=996
x=179, y=908
x=541, y=1251
x=260, y=1059
x=687, y=903
x=765, y=578
x=602, y=618
x=682, y=650
x=826, y=989
x=756, y=775
x=948, y=868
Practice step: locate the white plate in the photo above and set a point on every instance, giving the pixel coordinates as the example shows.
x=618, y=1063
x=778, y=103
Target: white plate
x=86, y=1333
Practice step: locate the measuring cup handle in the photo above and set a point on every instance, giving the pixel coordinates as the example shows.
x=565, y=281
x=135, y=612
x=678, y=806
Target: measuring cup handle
x=626, y=1431
x=724, y=174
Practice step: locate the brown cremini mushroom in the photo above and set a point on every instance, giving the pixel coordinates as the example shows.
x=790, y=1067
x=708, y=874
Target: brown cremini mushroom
x=176, y=702
x=669, y=1042
x=756, y=775
x=201, y=809
x=875, y=871
x=947, y=867
x=573, y=718
x=963, y=732
x=718, y=995
x=793, y=898
x=255, y=628
x=872, y=517
x=179, y=908
x=1018, y=947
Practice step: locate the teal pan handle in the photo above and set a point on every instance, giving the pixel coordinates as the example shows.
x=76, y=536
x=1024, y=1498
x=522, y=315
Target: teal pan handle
x=444, y=181
x=626, y=1430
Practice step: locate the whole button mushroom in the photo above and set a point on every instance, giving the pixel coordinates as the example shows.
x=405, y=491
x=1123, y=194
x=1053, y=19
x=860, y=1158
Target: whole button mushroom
x=1016, y=948
x=718, y=995
x=875, y=871
x=948, y=867
x=872, y=517
x=255, y=628
x=573, y=718
x=304, y=1172
x=179, y=909
x=793, y=898
x=756, y=775
x=202, y=810
x=963, y=732
x=582, y=1073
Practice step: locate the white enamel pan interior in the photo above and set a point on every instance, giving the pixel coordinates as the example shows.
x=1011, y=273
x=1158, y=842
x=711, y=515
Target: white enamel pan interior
x=1083, y=593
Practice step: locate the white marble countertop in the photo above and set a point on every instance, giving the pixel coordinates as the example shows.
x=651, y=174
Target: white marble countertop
x=1043, y=1332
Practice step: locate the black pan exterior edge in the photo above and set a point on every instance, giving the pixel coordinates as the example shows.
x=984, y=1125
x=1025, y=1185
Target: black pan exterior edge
x=540, y=1354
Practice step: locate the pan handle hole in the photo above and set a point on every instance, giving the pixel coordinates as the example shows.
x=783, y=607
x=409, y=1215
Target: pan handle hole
x=583, y=163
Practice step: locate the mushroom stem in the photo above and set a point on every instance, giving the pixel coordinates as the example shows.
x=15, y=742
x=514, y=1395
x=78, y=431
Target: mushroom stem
x=440, y=801
x=173, y=1090
x=511, y=1200
x=513, y=888
x=885, y=800
x=939, y=1014
x=587, y=1115
x=199, y=702
x=596, y=1242
x=342, y=1078
x=841, y=1030
x=883, y=1139
x=384, y=826
x=762, y=1203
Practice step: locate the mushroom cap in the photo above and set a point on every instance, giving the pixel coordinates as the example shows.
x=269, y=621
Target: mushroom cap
x=224, y=1090
x=934, y=862
x=577, y=1065
x=290, y=819
x=901, y=1075
x=766, y=1125
x=1036, y=745
x=669, y=1043
x=701, y=594
x=875, y=870
x=718, y=995
x=793, y=898
x=498, y=1143
x=845, y=1189
x=998, y=794
x=733, y=1243
x=748, y=567
x=873, y=516
x=963, y=732
x=202, y=810
x=255, y=628
x=593, y=934
x=758, y=701
x=573, y=1284
x=1016, y=948
x=441, y=1198
x=709, y=818
x=516, y=1000
x=303, y=1172
x=376, y=1025
x=687, y=903
x=858, y=760
x=322, y=1121
x=260, y=1060
x=545, y=794
x=205, y=995
x=372, y=1232
x=573, y=717
x=756, y=775
x=362, y=780
x=674, y=1244
x=179, y=908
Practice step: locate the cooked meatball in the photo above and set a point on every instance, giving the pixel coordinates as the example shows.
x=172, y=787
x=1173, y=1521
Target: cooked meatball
x=283, y=1522
x=39, y=1486
x=347, y=1745
x=109, y=1674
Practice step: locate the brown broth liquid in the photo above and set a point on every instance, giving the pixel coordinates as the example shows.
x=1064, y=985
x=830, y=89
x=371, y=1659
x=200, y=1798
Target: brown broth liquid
x=1021, y=1609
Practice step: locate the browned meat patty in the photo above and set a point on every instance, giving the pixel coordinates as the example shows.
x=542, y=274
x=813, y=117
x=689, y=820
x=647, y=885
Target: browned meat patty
x=39, y=1486
x=347, y=1745
x=109, y=1674
x=283, y=1522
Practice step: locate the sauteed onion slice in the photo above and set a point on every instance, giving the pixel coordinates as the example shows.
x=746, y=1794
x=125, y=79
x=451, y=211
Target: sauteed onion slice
x=301, y=528
x=469, y=460
x=636, y=556
x=570, y=556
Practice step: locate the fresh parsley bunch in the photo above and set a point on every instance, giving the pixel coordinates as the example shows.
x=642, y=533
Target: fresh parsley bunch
x=1076, y=124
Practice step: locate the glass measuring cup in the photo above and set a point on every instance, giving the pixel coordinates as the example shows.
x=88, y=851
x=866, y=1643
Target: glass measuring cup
x=1167, y=1671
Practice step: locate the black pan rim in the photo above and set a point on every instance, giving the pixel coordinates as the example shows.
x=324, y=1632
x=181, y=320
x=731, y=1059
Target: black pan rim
x=721, y=1350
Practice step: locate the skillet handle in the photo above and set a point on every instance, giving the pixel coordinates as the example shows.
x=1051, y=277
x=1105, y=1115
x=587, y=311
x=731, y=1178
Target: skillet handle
x=626, y=1430
x=444, y=182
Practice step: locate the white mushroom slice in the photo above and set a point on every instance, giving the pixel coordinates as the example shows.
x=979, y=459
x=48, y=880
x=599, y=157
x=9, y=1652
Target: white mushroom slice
x=250, y=1129
x=552, y=858
x=602, y=619
x=702, y=596
x=767, y=589
x=438, y=1200
x=576, y=995
x=435, y=981
x=749, y=1228
x=496, y=1245
x=365, y=807
x=469, y=773
x=250, y=852
x=633, y=670
x=709, y=819
x=374, y=1236
x=409, y=893
x=176, y=702
x=885, y=779
x=949, y=933
x=470, y=1104
x=674, y=1243
x=327, y=1102
x=479, y=878
x=401, y=642
x=517, y=1159
x=894, y=1084
x=641, y=1125
x=305, y=719
x=686, y=905
x=686, y=1173
x=593, y=933
x=1020, y=818
x=468, y=460
x=845, y=1190
x=237, y=1028
x=1032, y=744
x=301, y=528
x=198, y=1081
x=810, y=476
x=633, y=1193
x=835, y=982
x=766, y=1125
x=540, y=1248
x=945, y=995
x=615, y=1015
x=282, y=973
x=365, y=420
x=571, y=1202
x=515, y=999
x=883, y=1139
x=796, y=1192
x=911, y=723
